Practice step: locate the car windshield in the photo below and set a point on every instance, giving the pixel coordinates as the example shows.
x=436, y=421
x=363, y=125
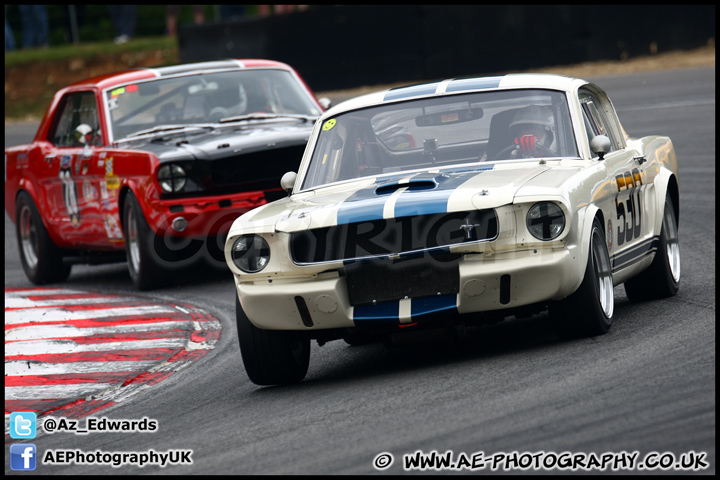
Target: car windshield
x=207, y=98
x=435, y=132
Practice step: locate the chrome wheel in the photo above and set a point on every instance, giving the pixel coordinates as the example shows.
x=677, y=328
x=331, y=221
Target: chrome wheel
x=672, y=242
x=589, y=310
x=603, y=272
x=133, y=246
x=28, y=237
x=41, y=259
x=662, y=278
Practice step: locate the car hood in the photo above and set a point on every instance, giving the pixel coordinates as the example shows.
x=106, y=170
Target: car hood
x=468, y=188
x=223, y=142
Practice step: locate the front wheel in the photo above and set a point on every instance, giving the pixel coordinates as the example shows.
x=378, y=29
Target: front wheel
x=589, y=310
x=662, y=277
x=271, y=357
x=41, y=259
x=145, y=271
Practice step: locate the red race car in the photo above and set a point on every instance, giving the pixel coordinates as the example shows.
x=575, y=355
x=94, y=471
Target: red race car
x=154, y=164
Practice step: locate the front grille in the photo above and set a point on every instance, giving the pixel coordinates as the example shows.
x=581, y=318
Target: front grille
x=256, y=171
x=249, y=172
x=392, y=236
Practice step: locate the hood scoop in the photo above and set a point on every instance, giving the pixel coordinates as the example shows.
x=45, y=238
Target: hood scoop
x=411, y=185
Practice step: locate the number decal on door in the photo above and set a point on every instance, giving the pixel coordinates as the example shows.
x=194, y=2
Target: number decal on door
x=629, y=212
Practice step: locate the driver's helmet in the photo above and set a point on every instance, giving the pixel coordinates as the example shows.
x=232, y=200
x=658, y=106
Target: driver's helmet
x=533, y=120
x=83, y=134
x=228, y=102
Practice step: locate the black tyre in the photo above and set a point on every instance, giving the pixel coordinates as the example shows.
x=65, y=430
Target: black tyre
x=40, y=257
x=272, y=357
x=144, y=269
x=662, y=278
x=589, y=310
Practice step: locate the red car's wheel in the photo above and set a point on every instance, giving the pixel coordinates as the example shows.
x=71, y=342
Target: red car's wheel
x=145, y=271
x=40, y=257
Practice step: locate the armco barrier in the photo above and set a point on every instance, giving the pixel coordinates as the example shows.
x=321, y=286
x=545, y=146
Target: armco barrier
x=346, y=46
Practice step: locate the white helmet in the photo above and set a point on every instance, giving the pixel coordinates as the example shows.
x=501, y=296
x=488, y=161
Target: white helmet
x=82, y=133
x=539, y=118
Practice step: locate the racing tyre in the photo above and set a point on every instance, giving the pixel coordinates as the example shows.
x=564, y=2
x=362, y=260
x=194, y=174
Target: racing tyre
x=144, y=270
x=589, y=310
x=662, y=277
x=272, y=357
x=40, y=257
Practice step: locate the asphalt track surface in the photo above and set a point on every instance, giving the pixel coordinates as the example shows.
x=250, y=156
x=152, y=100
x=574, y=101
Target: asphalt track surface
x=648, y=386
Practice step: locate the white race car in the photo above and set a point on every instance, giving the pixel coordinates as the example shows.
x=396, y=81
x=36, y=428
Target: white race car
x=456, y=202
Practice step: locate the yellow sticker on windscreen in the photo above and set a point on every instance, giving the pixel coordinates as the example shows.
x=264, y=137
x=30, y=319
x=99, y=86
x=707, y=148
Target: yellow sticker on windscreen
x=329, y=125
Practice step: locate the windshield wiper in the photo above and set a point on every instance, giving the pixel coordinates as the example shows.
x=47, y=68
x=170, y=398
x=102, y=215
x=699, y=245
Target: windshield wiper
x=167, y=128
x=267, y=116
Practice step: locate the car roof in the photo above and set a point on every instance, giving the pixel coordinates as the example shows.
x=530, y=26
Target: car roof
x=460, y=85
x=142, y=73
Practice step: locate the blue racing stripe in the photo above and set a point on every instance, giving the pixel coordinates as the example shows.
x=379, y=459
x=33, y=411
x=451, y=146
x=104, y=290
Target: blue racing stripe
x=361, y=210
x=388, y=313
x=463, y=84
x=433, y=305
x=411, y=91
x=365, y=205
x=382, y=314
x=428, y=202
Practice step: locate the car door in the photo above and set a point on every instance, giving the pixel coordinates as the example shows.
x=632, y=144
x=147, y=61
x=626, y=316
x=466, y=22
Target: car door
x=627, y=226
x=72, y=198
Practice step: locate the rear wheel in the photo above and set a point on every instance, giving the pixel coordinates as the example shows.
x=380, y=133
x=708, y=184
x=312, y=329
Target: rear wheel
x=271, y=357
x=589, y=310
x=40, y=257
x=145, y=271
x=662, y=277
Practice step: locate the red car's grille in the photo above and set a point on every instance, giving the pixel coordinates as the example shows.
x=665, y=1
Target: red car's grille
x=246, y=172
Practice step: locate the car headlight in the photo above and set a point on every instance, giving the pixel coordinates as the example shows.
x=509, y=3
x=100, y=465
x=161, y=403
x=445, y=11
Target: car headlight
x=172, y=178
x=545, y=221
x=250, y=253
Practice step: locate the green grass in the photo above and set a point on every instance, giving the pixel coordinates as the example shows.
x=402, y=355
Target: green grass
x=32, y=105
x=86, y=50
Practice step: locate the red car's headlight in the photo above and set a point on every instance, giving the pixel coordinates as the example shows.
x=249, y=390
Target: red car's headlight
x=172, y=178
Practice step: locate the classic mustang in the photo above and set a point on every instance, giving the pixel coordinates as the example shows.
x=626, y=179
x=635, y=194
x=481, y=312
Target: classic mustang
x=452, y=203
x=156, y=163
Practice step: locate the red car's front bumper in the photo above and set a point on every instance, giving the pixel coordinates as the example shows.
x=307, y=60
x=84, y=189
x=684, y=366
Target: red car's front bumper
x=200, y=217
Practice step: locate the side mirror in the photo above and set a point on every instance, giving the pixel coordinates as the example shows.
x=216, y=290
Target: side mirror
x=325, y=102
x=287, y=182
x=600, y=145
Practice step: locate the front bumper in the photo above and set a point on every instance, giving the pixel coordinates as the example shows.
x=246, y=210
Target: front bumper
x=203, y=216
x=486, y=283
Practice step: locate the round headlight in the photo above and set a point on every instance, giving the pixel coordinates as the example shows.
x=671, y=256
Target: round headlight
x=250, y=253
x=545, y=221
x=172, y=178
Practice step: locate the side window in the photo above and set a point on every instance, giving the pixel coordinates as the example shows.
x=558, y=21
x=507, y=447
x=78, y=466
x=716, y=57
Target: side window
x=602, y=117
x=76, y=109
x=589, y=127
